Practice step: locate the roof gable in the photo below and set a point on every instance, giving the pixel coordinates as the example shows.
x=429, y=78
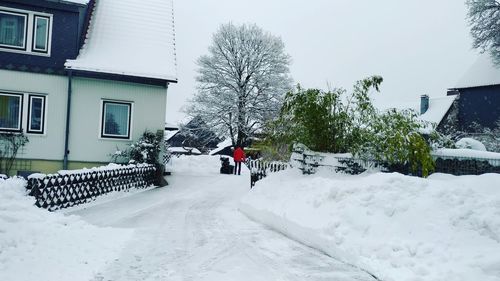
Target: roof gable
x=482, y=73
x=131, y=38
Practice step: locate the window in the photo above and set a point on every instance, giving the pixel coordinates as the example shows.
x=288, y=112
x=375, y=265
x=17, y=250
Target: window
x=13, y=30
x=10, y=112
x=36, y=114
x=116, y=117
x=23, y=31
x=41, y=34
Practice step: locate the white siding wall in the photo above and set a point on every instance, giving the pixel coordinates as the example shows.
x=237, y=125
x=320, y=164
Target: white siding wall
x=85, y=144
x=49, y=146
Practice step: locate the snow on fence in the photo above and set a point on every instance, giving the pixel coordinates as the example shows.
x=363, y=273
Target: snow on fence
x=72, y=188
x=259, y=169
x=450, y=161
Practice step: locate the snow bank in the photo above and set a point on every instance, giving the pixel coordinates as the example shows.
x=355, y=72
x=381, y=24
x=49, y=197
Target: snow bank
x=201, y=165
x=38, y=245
x=468, y=143
x=396, y=227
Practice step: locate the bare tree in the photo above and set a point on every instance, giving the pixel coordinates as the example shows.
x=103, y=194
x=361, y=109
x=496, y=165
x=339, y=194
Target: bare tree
x=242, y=81
x=484, y=18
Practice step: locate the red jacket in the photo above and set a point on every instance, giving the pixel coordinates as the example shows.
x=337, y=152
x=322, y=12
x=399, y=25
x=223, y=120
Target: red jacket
x=239, y=155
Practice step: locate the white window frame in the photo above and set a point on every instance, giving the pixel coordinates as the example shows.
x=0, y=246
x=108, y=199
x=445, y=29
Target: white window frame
x=29, y=130
x=35, y=30
x=25, y=31
x=20, y=117
x=25, y=114
x=30, y=30
x=102, y=122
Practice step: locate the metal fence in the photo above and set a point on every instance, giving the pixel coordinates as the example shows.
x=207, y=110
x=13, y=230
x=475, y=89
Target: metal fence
x=309, y=161
x=62, y=191
x=466, y=166
x=259, y=169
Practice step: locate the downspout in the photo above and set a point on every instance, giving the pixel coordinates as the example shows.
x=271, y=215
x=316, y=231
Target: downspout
x=68, y=111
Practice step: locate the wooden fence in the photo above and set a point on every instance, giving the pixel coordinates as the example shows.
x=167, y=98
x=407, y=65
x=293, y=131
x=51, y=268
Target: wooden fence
x=65, y=190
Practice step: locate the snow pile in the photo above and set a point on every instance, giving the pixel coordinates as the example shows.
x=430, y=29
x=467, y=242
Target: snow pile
x=394, y=226
x=202, y=165
x=38, y=245
x=468, y=143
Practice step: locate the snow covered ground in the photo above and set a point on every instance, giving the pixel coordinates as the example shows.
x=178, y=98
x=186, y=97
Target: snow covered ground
x=396, y=227
x=389, y=225
x=192, y=230
x=38, y=245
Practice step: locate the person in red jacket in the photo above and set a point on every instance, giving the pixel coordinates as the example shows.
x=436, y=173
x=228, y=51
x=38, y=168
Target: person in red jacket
x=239, y=156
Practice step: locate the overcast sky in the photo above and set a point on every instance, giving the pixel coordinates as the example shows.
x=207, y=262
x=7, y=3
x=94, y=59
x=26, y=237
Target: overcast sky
x=418, y=46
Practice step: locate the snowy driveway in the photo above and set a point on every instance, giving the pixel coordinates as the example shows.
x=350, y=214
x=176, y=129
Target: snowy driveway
x=192, y=230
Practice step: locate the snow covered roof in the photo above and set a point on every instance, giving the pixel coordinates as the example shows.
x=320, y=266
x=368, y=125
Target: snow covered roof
x=83, y=2
x=171, y=126
x=225, y=143
x=169, y=134
x=130, y=37
x=482, y=73
x=182, y=150
x=438, y=107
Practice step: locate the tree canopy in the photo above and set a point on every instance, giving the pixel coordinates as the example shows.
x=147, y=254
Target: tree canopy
x=484, y=18
x=241, y=81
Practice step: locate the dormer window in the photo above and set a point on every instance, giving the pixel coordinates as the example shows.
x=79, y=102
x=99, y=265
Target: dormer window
x=25, y=31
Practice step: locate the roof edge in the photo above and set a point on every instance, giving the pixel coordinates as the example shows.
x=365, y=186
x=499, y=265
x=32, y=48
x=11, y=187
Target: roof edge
x=121, y=77
x=123, y=74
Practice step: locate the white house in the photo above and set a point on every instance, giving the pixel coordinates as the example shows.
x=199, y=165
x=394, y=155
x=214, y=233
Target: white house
x=82, y=78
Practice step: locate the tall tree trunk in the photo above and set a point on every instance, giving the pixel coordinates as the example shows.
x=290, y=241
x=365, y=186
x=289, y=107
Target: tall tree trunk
x=231, y=133
x=241, y=123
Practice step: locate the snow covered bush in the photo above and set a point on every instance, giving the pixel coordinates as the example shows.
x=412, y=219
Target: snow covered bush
x=336, y=122
x=395, y=139
x=327, y=121
x=145, y=150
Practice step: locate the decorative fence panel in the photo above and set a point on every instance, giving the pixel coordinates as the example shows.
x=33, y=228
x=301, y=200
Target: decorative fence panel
x=65, y=190
x=259, y=169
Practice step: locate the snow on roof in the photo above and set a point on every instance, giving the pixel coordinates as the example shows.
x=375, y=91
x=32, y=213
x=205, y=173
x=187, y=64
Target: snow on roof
x=171, y=126
x=169, y=134
x=183, y=150
x=438, y=107
x=482, y=73
x=130, y=37
x=225, y=143
x=83, y=2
